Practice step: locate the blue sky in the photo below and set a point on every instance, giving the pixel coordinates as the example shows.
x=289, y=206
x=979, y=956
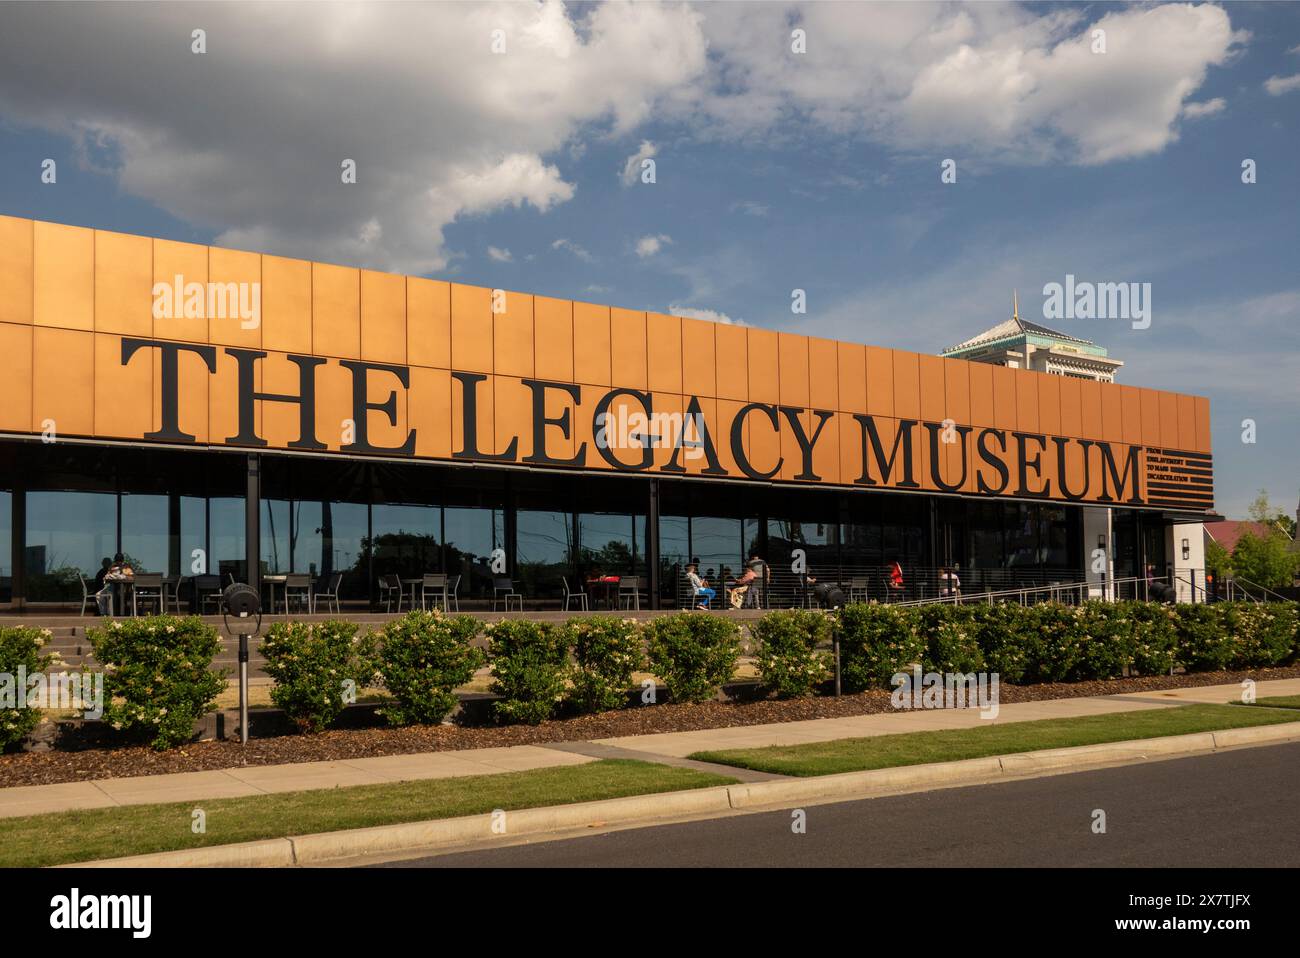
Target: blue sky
x=774, y=170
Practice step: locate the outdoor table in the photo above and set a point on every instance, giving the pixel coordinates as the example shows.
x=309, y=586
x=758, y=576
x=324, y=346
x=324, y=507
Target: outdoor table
x=606, y=586
x=121, y=586
x=271, y=582
x=414, y=584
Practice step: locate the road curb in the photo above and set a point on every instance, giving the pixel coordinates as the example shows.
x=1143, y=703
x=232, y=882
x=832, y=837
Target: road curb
x=648, y=809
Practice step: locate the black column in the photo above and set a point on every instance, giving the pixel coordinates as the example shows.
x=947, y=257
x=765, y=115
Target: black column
x=252, y=516
x=18, y=540
x=652, y=545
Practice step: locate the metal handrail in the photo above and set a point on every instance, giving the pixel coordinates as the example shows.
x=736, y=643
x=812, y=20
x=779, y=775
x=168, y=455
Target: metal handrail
x=1255, y=585
x=1023, y=594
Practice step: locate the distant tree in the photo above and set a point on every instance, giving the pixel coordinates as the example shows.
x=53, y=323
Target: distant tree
x=1265, y=560
x=1262, y=510
x=1218, y=560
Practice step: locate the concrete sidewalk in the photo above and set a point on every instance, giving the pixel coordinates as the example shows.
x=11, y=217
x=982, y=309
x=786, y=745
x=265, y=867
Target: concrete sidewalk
x=669, y=746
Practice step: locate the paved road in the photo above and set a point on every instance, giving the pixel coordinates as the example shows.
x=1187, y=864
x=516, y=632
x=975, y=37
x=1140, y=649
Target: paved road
x=1236, y=808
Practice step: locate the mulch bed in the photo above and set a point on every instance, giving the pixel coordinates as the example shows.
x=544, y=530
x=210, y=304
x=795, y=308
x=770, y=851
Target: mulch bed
x=45, y=768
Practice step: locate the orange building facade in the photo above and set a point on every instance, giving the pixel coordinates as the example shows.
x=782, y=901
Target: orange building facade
x=133, y=343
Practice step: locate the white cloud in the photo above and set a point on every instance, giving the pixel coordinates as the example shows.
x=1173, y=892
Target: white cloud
x=632, y=165
x=247, y=140
x=1194, y=111
x=712, y=315
x=648, y=246
x=1276, y=86
x=499, y=255
x=574, y=248
x=994, y=79
x=749, y=208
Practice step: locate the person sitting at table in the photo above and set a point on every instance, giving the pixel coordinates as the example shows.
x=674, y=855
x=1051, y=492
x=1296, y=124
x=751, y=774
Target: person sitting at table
x=699, y=587
x=896, y=586
x=750, y=581
x=949, y=583
x=118, y=572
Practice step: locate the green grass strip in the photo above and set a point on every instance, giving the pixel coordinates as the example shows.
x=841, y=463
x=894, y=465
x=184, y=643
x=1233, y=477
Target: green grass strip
x=91, y=834
x=1277, y=702
x=923, y=748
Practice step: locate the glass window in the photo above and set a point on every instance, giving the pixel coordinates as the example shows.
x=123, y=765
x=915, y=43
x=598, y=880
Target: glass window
x=544, y=548
x=674, y=553
x=718, y=544
x=406, y=540
x=194, y=536
x=6, y=547
x=333, y=537
x=226, y=555
x=608, y=545
x=144, y=532
x=1022, y=539
x=471, y=536
x=68, y=533
x=274, y=532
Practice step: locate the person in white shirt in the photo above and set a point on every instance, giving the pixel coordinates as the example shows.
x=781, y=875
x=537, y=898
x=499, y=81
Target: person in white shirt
x=699, y=587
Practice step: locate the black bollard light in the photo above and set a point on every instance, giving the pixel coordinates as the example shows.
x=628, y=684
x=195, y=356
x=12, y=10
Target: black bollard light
x=242, y=601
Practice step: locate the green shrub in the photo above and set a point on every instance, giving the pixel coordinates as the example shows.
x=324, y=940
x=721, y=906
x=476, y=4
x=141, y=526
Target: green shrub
x=1205, y=640
x=20, y=650
x=528, y=666
x=952, y=646
x=1106, y=634
x=1264, y=633
x=158, y=678
x=789, y=662
x=1155, y=637
x=1060, y=634
x=693, y=653
x=606, y=651
x=317, y=667
x=423, y=658
x=1009, y=648
x=876, y=642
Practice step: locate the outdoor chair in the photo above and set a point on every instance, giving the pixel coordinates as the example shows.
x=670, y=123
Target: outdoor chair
x=172, y=593
x=629, y=592
x=503, y=590
x=330, y=592
x=435, y=584
x=570, y=597
x=87, y=596
x=858, y=588
x=147, y=589
x=390, y=587
x=453, y=590
x=207, y=588
x=297, y=586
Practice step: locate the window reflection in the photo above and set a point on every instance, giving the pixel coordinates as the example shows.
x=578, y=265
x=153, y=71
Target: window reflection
x=544, y=549
x=332, y=537
x=406, y=540
x=144, y=532
x=6, y=546
x=608, y=544
x=68, y=533
x=472, y=535
x=274, y=531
